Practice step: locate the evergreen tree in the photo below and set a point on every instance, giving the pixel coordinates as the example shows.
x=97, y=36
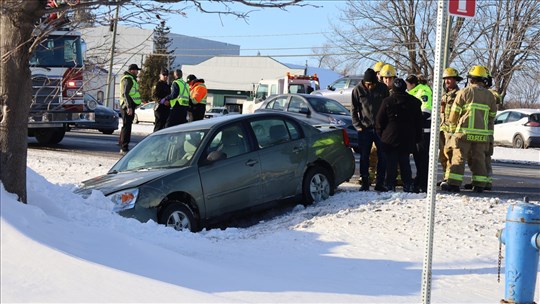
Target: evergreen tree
x=154, y=63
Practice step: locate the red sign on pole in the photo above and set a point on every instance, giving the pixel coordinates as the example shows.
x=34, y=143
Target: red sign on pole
x=462, y=8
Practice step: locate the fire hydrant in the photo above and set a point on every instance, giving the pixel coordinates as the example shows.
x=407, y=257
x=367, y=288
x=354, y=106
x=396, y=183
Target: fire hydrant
x=521, y=237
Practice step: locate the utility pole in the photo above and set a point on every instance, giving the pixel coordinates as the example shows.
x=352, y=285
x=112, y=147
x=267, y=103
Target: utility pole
x=108, y=102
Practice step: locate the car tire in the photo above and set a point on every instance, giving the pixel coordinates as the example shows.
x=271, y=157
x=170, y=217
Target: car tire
x=49, y=136
x=179, y=216
x=135, y=119
x=518, y=142
x=107, y=131
x=317, y=185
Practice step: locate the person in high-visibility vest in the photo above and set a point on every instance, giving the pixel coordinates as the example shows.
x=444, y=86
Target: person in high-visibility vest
x=198, y=94
x=130, y=99
x=418, y=87
x=471, y=121
x=178, y=100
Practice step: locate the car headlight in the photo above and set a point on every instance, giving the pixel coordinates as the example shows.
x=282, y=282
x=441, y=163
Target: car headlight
x=337, y=122
x=124, y=199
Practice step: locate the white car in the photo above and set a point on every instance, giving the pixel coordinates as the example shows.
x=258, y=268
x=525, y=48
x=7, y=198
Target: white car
x=519, y=128
x=216, y=112
x=145, y=113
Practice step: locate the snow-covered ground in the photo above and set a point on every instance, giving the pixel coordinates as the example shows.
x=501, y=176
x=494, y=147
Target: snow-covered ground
x=355, y=247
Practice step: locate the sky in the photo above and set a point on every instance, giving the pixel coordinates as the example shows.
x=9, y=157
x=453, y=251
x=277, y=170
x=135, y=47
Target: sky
x=355, y=247
x=272, y=32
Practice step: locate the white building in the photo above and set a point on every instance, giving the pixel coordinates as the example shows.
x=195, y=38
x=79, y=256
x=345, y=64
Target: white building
x=133, y=45
x=231, y=79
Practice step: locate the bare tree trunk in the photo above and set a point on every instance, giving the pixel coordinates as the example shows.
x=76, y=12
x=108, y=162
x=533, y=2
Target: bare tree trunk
x=16, y=24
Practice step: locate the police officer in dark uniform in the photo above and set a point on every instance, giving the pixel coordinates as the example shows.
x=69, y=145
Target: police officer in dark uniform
x=161, y=90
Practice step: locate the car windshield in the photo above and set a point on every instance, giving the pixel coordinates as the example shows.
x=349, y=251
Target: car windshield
x=214, y=110
x=168, y=150
x=327, y=106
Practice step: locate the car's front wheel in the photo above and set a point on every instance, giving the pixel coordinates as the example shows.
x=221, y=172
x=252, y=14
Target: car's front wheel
x=179, y=216
x=107, y=131
x=317, y=185
x=518, y=142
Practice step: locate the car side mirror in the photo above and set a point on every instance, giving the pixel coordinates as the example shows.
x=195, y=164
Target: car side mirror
x=215, y=156
x=304, y=111
x=331, y=88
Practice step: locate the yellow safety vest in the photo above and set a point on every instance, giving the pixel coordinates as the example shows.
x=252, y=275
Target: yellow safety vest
x=133, y=93
x=183, y=94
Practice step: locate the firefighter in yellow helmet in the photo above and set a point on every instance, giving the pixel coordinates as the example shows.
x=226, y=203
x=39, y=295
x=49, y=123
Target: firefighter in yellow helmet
x=387, y=75
x=451, y=78
x=471, y=131
x=488, y=83
x=377, y=68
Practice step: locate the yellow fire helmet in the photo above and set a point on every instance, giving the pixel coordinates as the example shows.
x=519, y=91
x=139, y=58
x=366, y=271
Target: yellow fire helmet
x=378, y=66
x=388, y=71
x=451, y=72
x=478, y=71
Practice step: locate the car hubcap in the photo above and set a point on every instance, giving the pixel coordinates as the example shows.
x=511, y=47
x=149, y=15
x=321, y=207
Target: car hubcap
x=179, y=221
x=319, y=188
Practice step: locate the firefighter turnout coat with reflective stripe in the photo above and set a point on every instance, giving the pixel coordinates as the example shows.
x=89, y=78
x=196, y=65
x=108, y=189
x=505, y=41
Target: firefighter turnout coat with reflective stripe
x=471, y=120
x=473, y=113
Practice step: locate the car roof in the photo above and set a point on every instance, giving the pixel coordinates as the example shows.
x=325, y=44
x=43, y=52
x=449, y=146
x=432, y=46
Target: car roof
x=206, y=124
x=299, y=94
x=523, y=110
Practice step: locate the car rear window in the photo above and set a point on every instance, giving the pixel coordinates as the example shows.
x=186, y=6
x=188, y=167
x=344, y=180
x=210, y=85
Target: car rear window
x=535, y=117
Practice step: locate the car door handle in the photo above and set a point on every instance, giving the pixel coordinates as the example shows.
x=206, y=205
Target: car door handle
x=251, y=162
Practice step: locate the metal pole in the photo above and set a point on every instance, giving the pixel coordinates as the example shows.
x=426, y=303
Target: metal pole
x=108, y=102
x=433, y=147
x=447, y=40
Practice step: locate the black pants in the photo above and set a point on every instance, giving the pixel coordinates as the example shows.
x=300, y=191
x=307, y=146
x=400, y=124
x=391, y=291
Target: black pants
x=393, y=159
x=178, y=115
x=161, y=113
x=421, y=161
x=125, y=132
x=198, y=111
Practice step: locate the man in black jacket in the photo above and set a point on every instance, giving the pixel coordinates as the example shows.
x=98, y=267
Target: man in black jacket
x=161, y=90
x=399, y=125
x=367, y=97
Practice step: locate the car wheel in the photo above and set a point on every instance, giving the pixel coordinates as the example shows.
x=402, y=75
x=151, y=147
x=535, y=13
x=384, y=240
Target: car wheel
x=107, y=131
x=518, y=142
x=317, y=185
x=179, y=216
x=49, y=136
x=135, y=119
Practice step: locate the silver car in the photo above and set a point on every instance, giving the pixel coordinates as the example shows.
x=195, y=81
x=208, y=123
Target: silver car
x=341, y=90
x=194, y=174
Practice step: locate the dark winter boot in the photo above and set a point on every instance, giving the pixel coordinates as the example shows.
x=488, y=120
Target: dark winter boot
x=449, y=188
x=381, y=188
x=365, y=184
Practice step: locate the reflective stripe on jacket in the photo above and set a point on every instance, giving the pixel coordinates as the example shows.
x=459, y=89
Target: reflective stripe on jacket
x=473, y=113
x=183, y=94
x=133, y=92
x=447, y=102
